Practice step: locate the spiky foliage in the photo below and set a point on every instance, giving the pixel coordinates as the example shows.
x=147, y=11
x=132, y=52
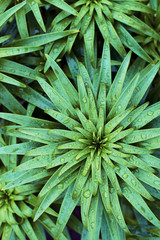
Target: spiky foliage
x=17, y=203
x=105, y=15
x=16, y=50
x=150, y=44
x=101, y=148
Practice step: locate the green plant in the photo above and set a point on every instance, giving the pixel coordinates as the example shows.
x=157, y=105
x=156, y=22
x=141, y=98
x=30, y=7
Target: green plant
x=97, y=147
x=79, y=119
x=109, y=17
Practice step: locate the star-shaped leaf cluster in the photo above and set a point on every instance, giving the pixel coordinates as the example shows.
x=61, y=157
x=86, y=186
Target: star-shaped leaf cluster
x=110, y=17
x=101, y=146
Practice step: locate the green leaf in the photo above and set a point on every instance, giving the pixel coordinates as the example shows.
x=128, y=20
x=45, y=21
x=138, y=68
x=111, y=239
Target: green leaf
x=66, y=210
x=39, y=40
x=26, y=177
x=133, y=115
x=14, y=68
x=64, y=119
x=32, y=96
x=105, y=69
x=4, y=38
x=94, y=217
x=62, y=5
x=118, y=119
x=142, y=135
x=18, y=231
x=13, y=51
x=22, y=23
x=7, y=14
x=131, y=43
x=26, y=121
x=132, y=181
x=61, y=104
x=20, y=148
x=135, y=23
x=130, y=149
x=123, y=100
x=112, y=176
x=10, y=102
x=143, y=85
x=137, y=201
x=116, y=210
x=104, y=191
x=9, y=80
x=112, y=227
x=115, y=40
x=148, y=178
x=63, y=158
x=36, y=11
x=49, y=225
x=66, y=84
x=151, y=160
x=89, y=41
x=37, y=162
x=52, y=195
x=83, y=98
x=55, y=179
x=27, y=227
x=116, y=87
x=79, y=184
x=147, y=116
x=86, y=197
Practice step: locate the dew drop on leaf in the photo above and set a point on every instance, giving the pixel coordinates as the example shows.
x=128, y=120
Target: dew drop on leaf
x=125, y=175
x=87, y=193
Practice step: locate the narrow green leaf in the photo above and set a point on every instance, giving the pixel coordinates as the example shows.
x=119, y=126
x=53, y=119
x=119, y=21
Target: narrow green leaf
x=41, y=39
x=64, y=119
x=36, y=11
x=66, y=84
x=137, y=201
x=14, y=51
x=10, y=102
x=66, y=210
x=28, y=121
x=132, y=181
x=20, y=148
x=117, y=212
x=64, y=6
x=116, y=87
x=52, y=195
x=7, y=14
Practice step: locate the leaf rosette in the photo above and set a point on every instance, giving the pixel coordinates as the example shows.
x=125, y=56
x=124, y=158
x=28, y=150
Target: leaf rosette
x=103, y=145
x=17, y=203
x=150, y=44
x=105, y=15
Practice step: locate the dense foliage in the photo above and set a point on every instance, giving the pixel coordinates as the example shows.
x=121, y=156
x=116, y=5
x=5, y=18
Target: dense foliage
x=80, y=119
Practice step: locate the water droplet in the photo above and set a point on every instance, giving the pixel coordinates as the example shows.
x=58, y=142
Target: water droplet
x=125, y=175
x=143, y=209
x=157, y=183
x=143, y=136
x=87, y=193
x=120, y=17
x=132, y=138
x=92, y=225
x=84, y=100
x=149, y=113
x=133, y=182
x=60, y=185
